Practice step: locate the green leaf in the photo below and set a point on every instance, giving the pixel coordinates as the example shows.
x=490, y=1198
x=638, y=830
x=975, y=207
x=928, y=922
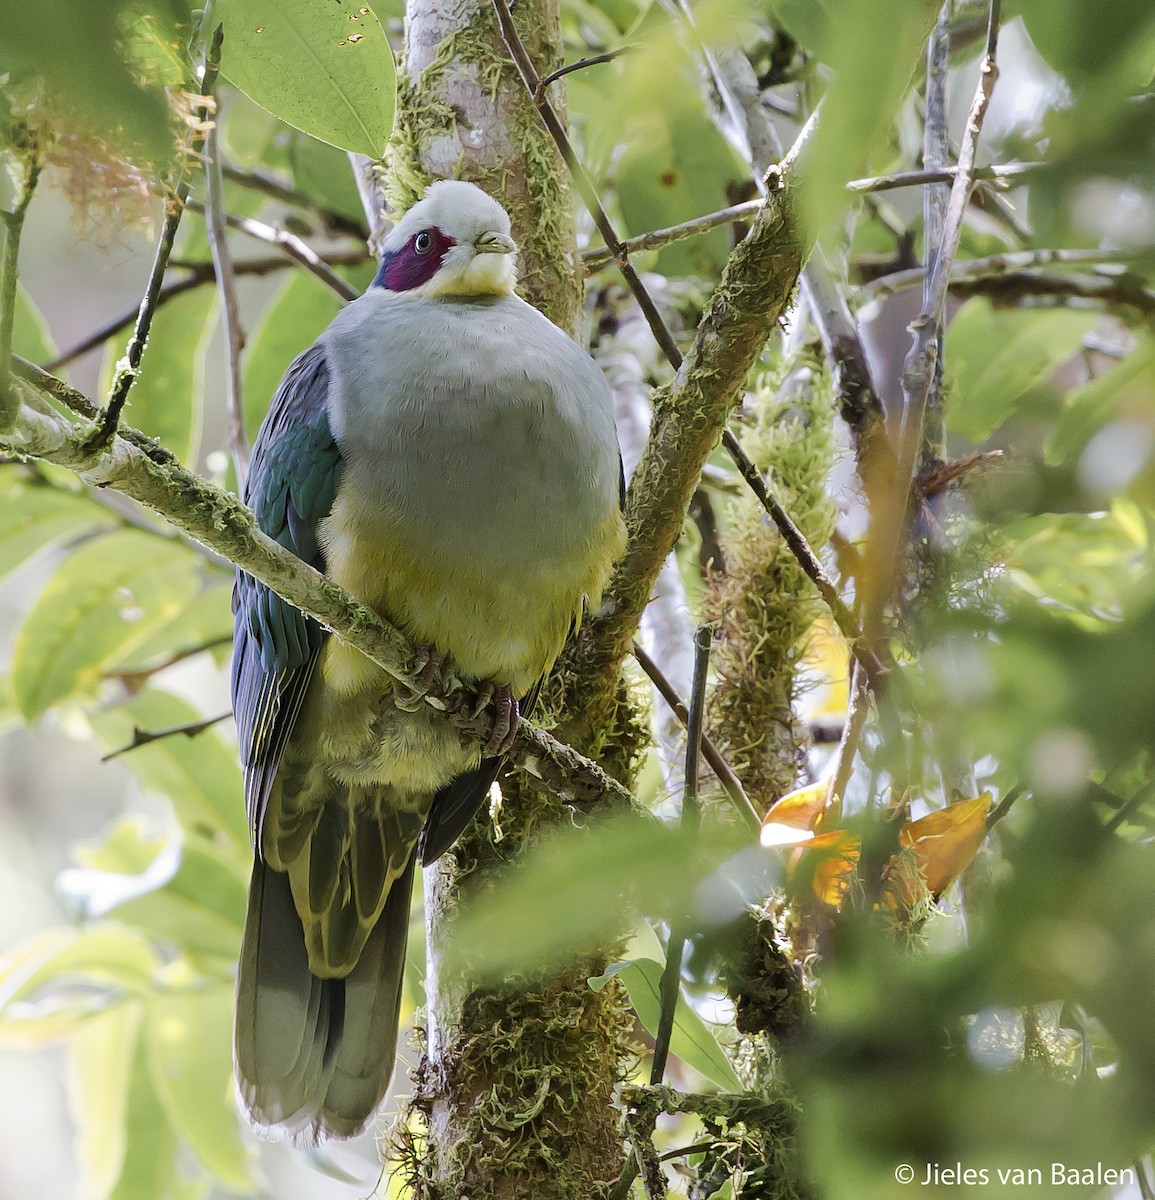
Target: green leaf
x=294, y=317
x=189, y=1036
x=76, y=49
x=100, y=1062
x=994, y=357
x=35, y=516
x=1085, y=566
x=106, y=599
x=691, y=1039
x=872, y=47
x=325, y=69
x=207, y=621
x=102, y=955
x=31, y=338
x=1125, y=390
x=676, y=166
x=199, y=775
x=167, y=399
x=188, y=892
x=325, y=175
x=149, y=1170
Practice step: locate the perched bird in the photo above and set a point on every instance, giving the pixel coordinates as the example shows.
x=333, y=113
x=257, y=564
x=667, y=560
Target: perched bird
x=447, y=454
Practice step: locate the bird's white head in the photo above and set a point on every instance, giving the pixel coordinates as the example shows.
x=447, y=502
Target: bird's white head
x=454, y=242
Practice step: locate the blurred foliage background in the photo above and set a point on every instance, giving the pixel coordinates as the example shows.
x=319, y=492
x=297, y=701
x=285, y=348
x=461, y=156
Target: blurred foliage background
x=977, y=991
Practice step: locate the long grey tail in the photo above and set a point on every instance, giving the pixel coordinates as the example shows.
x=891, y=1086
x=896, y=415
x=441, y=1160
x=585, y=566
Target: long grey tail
x=314, y=1057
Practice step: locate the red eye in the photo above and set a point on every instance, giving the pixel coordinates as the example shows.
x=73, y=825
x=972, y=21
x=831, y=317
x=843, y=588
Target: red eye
x=423, y=242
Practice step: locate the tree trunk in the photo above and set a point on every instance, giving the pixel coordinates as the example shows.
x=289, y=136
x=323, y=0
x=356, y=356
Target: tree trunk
x=514, y=1092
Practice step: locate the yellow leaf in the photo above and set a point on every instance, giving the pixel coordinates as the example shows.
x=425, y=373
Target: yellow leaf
x=800, y=809
x=937, y=849
x=829, y=859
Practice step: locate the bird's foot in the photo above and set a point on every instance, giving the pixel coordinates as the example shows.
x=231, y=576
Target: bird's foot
x=434, y=671
x=505, y=717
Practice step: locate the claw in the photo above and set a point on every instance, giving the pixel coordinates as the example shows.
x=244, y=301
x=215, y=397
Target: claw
x=505, y=718
x=435, y=670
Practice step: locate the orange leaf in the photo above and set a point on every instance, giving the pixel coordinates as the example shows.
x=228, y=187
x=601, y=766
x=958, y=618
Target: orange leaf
x=940, y=847
x=800, y=809
x=830, y=859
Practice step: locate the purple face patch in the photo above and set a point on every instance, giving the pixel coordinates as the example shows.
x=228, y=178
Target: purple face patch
x=415, y=263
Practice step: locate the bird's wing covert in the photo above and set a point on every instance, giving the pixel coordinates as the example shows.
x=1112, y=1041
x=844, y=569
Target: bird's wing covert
x=291, y=486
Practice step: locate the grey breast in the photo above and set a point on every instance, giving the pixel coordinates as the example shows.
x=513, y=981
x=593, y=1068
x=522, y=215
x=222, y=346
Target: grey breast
x=464, y=421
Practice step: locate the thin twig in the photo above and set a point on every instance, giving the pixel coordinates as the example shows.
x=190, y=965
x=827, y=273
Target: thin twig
x=808, y=561
x=859, y=403
x=201, y=274
x=129, y=367
x=145, y=737
x=1004, y=806
x=1039, y=289
x=945, y=174
x=1132, y=805
x=230, y=307
x=725, y=774
x=293, y=246
x=938, y=480
x=691, y=819
x=888, y=520
x=9, y=276
x=682, y=1151
x=594, y=260
x=920, y=364
x=993, y=266
x=935, y=197
x=275, y=189
x=138, y=675
x=581, y=64
x=858, y=709
x=553, y=124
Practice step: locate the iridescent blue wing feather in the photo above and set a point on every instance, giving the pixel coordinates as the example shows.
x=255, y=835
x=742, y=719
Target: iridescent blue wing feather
x=291, y=487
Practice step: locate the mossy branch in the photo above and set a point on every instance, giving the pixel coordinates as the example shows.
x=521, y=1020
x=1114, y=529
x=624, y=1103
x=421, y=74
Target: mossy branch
x=690, y=415
x=140, y=468
x=9, y=275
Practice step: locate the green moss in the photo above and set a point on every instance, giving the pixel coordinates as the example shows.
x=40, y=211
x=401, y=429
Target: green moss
x=532, y=1058
x=763, y=604
x=529, y=176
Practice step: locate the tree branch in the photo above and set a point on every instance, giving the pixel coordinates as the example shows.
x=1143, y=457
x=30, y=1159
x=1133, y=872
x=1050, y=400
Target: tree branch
x=1016, y=263
x=9, y=276
x=998, y=173
x=145, y=737
x=597, y=258
x=888, y=521
x=691, y=413
x=140, y=468
x=594, y=260
x=230, y=308
x=293, y=246
x=581, y=64
x=272, y=187
x=725, y=773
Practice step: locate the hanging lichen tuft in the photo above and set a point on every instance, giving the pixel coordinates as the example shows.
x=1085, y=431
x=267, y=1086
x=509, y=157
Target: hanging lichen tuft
x=763, y=605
